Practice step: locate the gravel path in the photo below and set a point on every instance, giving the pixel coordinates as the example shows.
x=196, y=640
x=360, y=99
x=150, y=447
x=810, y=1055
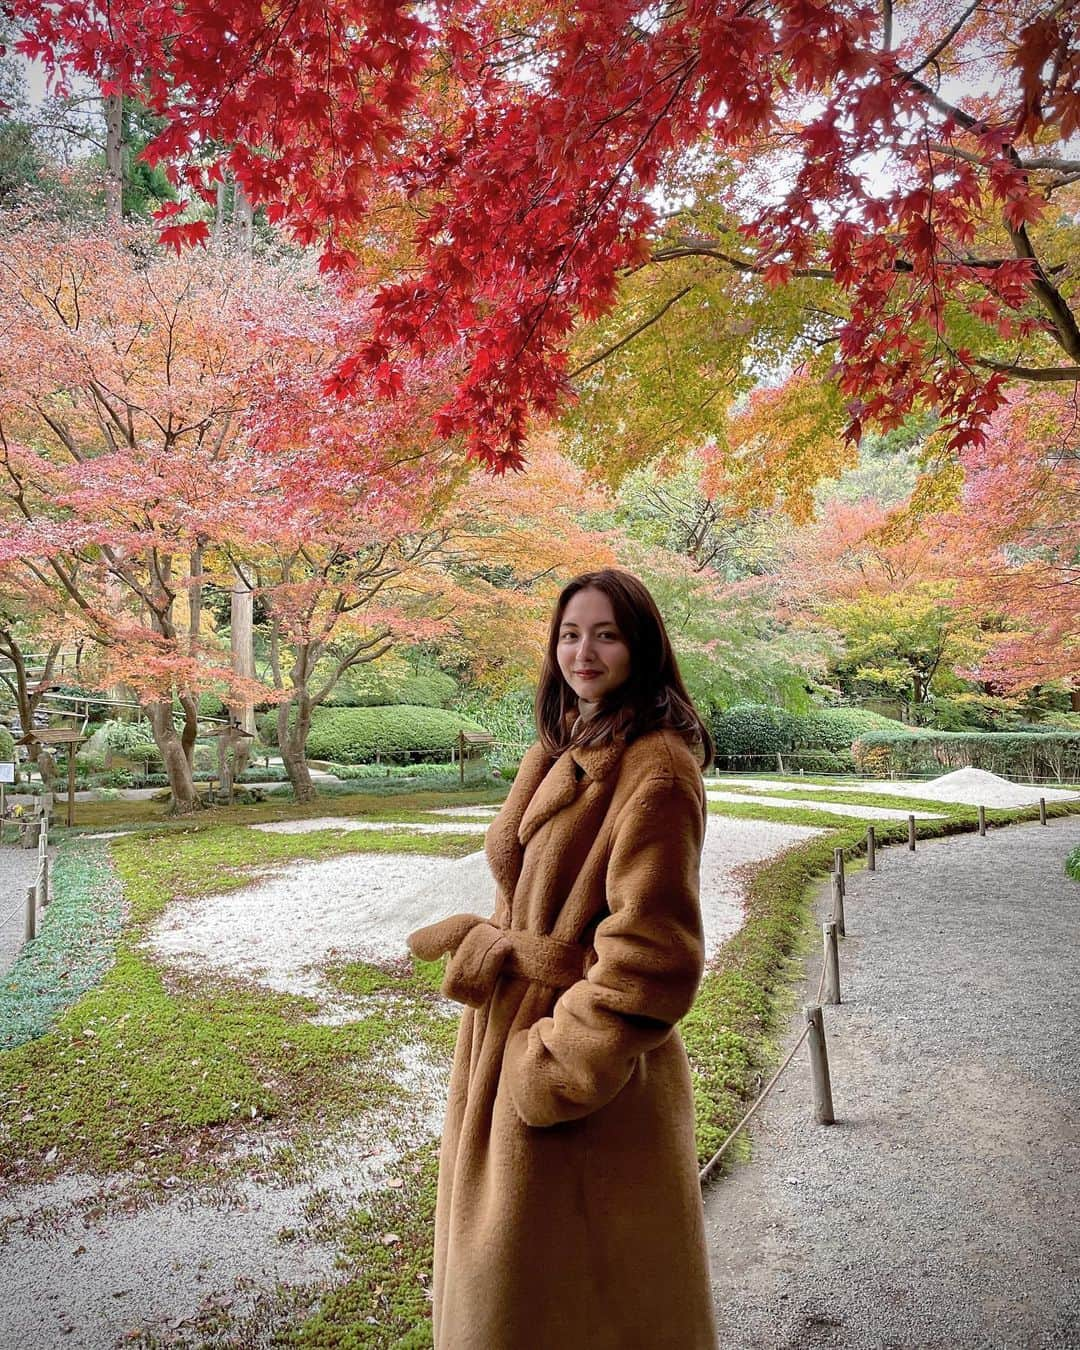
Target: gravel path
x=943, y=1209
x=18, y=872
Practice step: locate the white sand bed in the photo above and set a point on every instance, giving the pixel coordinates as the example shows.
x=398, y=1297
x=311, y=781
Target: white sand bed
x=463, y=811
x=968, y=787
x=730, y=846
x=346, y=823
x=282, y=930
x=833, y=808
x=285, y=928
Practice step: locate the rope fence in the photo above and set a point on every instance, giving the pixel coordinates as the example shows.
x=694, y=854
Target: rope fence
x=828, y=993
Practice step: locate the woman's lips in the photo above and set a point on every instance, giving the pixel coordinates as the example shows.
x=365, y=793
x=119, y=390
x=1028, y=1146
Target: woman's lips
x=586, y=674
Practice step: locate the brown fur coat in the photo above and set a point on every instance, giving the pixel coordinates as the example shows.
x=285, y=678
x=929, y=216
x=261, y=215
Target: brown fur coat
x=569, y=1212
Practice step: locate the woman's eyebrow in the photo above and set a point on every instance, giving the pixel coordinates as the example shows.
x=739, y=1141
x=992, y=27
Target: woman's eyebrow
x=607, y=623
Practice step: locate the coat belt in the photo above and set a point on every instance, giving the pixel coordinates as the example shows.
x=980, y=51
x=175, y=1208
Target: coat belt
x=480, y=952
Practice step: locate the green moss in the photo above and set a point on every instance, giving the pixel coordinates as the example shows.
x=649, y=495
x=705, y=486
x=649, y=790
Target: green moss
x=387, y=1251
x=73, y=948
x=134, y=1069
x=140, y=1063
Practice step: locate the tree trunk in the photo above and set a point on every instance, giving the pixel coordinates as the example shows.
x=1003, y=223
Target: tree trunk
x=292, y=740
x=243, y=220
x=177, y=762
x=114, y=159
x=243, y=663
x=1074, y=699
x=190, y=705
x=218, y=232
x=46, y=766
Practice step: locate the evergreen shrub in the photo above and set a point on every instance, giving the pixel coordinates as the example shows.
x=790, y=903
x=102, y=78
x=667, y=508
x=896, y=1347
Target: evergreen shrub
x=397, y=734
x=749, y=736
x=210, y=705
x=7, y=745
x=817, y=761
x=837, y=729
x=753, y=729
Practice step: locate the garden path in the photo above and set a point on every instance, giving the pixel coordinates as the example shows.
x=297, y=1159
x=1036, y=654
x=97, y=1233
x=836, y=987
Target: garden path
x=18, y=872
x=943, y=1208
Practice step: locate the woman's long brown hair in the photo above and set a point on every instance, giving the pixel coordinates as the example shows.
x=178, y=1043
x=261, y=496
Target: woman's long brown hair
x=653, y=697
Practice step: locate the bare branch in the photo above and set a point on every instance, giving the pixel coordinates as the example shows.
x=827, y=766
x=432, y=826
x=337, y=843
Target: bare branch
x=935, y=51
x=629, y=337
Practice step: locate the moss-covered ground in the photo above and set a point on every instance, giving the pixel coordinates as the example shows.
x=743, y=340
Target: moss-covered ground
x=154, y=1074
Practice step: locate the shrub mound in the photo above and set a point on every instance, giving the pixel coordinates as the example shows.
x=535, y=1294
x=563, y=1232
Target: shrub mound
x=403, y=734
x=750, y=735
x=1072, y=864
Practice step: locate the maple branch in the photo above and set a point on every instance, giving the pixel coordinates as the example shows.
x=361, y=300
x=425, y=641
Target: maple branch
x=356, y=657
x=939, y=47
x=972, y=157
x=1038, y=374
x=1061, y=316
x=693, y=248
x=629, y=337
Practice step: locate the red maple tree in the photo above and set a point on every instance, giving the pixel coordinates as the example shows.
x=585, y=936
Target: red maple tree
x=910, y=153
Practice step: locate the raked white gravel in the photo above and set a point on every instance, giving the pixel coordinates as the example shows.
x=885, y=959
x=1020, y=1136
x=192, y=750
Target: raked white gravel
x=284, y=929
x=969, y=787
x=346, y=823
x=833, y=808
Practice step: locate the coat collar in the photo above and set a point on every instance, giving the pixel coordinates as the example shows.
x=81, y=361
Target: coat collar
x=560, y=785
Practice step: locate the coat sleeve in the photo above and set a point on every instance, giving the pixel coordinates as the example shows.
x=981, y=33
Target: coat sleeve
x=650, y=956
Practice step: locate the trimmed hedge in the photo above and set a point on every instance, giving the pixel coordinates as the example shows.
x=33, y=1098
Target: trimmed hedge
x=434, y=689
x=397, y=734
x=1024, y=753
x=818, y=741
x=7, y=745
x=837, y=729
x=1072, y=864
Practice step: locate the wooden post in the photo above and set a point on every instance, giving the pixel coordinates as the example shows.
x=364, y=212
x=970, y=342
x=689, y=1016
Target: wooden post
x=838, y=868
x=838, y=903
x=31, y=914
x=982, y=820
x=871, y=849
x=46, y=889
x=911, y=833
x=71, y=785
x=779, y=762
x=461, y=756
x=832, y=963
x=1042, y=810
x=819, y=1066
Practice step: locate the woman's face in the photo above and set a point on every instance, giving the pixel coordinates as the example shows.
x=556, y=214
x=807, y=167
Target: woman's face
x=593, y=655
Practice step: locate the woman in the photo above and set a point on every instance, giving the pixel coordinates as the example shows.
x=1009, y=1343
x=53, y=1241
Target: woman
x=569, y=1212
